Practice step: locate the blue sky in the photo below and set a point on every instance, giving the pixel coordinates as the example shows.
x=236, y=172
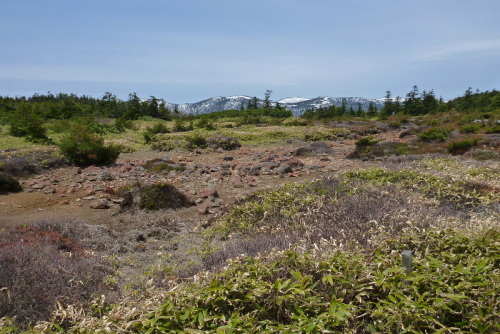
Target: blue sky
x=189, y=50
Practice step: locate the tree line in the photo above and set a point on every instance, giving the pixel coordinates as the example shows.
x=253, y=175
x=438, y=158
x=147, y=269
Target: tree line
x=414, y=104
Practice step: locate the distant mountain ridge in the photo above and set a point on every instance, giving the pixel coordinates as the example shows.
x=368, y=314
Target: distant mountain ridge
x=297, y=105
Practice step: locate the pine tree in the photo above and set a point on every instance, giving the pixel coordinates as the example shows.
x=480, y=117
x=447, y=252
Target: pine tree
x=389, y=106
x=267, y=99
x=372, y=109
x=413, y=103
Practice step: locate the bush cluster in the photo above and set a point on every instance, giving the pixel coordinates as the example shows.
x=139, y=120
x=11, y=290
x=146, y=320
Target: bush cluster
x=150, y=132
x=83, y=148
x=8, y=184
x=435, y=134
x=41, y=268
x=451, y=288
x=162, y=196
x=461, y=146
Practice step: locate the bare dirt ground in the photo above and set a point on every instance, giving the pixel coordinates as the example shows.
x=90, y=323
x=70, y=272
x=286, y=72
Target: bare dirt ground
x=65, y=193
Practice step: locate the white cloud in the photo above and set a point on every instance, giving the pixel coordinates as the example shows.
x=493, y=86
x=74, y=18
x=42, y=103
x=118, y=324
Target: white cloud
x=465, y=49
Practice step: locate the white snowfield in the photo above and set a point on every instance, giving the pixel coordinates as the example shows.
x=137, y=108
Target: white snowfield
x=293, y=100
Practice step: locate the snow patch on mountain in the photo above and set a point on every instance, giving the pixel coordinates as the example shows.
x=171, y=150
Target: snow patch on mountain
x=298, y=105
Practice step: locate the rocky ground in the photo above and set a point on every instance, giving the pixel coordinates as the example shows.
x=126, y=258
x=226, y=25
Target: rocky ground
x=91, y=196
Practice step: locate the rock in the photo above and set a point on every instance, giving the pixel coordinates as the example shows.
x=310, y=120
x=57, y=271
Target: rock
x=209, y=192
x=235, y=181
x=63, y=202
x=202, y=209
x=285, y=168
x=251, y=181
x=295, y=163
x=49, y=191
x=75, y=171
x=90, y=191
x=106, y=176
x=228, y=158
x=100, y=204
x=255, y=171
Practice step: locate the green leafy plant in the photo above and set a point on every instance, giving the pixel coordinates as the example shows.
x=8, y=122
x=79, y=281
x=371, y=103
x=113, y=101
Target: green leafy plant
x=150, y=132
x=83, y=148
x=162, y=196
x=435, y=134
x=470, y=128
x=462, y=146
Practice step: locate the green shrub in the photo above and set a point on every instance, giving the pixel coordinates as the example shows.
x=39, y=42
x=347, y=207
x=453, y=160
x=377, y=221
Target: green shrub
x=452, y=289
x=296, y=122
x=205, y=123
x=162, y=196
x=150, y=132
x=435, y=134
x=27, y=123
x=470, y=128
x=9, y=184
x=366, y=141
x=226, y=143
x=319, y=134
x=493, y=129
x=83, y=148
x=195, y=141
x=461, y=146
x=180, y=126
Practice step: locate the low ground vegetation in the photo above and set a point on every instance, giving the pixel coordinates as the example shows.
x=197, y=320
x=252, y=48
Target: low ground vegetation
x=316, y=256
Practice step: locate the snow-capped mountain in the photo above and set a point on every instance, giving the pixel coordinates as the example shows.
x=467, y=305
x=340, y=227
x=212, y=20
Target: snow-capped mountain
x=298, y=105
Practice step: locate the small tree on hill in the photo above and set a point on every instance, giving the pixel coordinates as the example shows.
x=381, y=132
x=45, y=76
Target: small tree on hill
x=84, y=148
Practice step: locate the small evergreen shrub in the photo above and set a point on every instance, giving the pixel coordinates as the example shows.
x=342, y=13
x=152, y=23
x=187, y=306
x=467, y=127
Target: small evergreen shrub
x=470, y=128
x=9, y=184
x=462, y=146
x=366, y=141
x=180, y=126
x=150, y=132
x=83, y=148
x=26, y=123
x=435, y=134
x=224, y=142
x=162, y=196
x=195, y=141
x=205, y=123
x=493, y=129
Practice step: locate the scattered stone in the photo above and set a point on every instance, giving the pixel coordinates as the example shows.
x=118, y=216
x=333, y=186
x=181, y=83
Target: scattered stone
x=106, y=176
x=235, y=181
x=100, y=204
x=202, y=209
x=228, y=158
x=285, y=168
x=76, y=171
x=63, y=202
x=255, y=171
x=49, y=191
